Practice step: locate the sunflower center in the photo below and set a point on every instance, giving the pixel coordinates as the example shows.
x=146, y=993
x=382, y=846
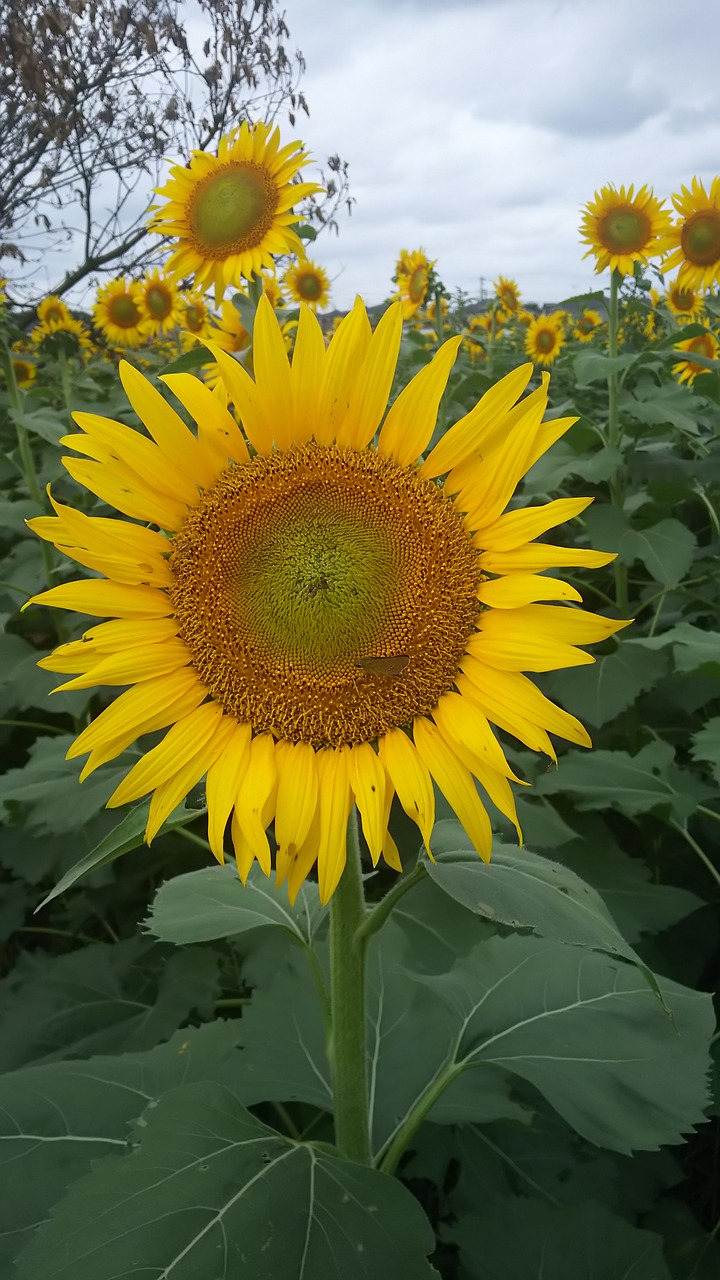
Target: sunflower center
x=309, y=285
x=194, y=318
x=703, y=344
x=232, y=209
x=158, y=301
x=54, y=315
x=123, y=312
x=700, y=238
x=417, y=285
x=624, y=230
x=297, y=574
x=545, y=341
x=684, y=299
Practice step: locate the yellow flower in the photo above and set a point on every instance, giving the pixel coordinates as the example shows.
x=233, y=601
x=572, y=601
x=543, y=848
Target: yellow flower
x=692, y=243
x=588, y=325
x=508, y=292
x=271, y=289
x=229, y=334
x=683, y=302
x=160, y=304
x=119, y=314
x=544, y=338
x=233, y=211
x=322, y=623
x=67, y=337
x=25, y=372
x=623, y=228
x=53, y=310
x=412, y=271
x=705, y=344
x=195, y=318
x=305, y=281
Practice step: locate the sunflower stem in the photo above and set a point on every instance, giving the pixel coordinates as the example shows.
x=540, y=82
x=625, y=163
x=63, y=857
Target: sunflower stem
x=439, y=325
x=617, y=482
x=347, y=1046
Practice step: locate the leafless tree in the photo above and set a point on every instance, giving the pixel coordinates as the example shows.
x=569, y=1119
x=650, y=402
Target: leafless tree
x=95, y=94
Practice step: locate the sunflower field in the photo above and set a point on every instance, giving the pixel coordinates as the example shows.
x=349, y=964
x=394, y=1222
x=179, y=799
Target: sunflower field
x=357, y=920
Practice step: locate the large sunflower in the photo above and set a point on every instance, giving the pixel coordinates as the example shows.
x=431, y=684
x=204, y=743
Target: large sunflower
x=67, y=337
x=232, y=212
x=161, y=304
x=623, y=227
x=692, y=243
x=704, y=344
x=544, y=338
x=305, y=281
x=119, y=314
x=412, y=272
x=322, y=622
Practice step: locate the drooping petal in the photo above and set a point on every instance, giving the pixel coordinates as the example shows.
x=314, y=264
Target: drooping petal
x=223, y=785
x=410, y=779
x=518, y=589
x=255, y=803
x=367, y=778
x=334, y=808
x=218, y=432
x=171, y=793
x=180, y=744
x=456, y=783
x=461, y=439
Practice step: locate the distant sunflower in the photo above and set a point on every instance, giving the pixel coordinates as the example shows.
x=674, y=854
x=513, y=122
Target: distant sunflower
x=623, y=228
x=119, y=314
x=692, y=243
x=305, y=281
x=431, y=310
x=683, y=302
x=195, y=318
x=232, y=212
x=160, y=303
x=67, y=337
x=25, y=372
x=508, y=292
x=53, y=310
x=230, y=335
x=412, y=273
x=272, y=290
x=588, y=325
x=544, y=338
x=322, y=623
x=705, y=344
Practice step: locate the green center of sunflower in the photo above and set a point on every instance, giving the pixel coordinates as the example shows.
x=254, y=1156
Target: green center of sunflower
x=326, y=595
x=700, y=238
x=158, y=301
x=624, y=230
x=545, y=341
x=123, y=312
x=309, y=285
x=417, y=284
x=232, y=209
x=684, y=299
x=194, y=318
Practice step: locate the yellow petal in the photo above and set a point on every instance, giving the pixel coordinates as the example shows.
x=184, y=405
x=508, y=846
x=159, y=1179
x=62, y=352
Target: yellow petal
x=512, y=693
x=496, y=786
x=170, y=794
x=462, y=720
x=455, y=782
x=370, y=394
x=135, y=709
x=343, y=365
x=519, y=589
x=537, y=556
x=498, y=476
x=105, y=599
x=130, y=455
x=496, y=435
x=335, y=805
x=180, y=744
x=517, y=527
x=244, y=853
x=110, y=748
x=411, y=419
x=130, y=666
x=272, y=374
x=130, y=496
x=410, y=779
x=108, y=637
x=307, y=375
x=255, y=803
x=298, y=865
x=525, y=652
x=246, y=398
x=297, y=795
x=460, y=440
x=367, y=779
x=173, y=438
x=223, y=784
x=547, y=435
x=218, y=432
x=544, y=621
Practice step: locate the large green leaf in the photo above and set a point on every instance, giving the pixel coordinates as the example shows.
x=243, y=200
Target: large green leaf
x=213, y=903
x=666, y=549
x=45, y=789
x=55, y=1119
x=648, y=782
x=212, y=1192
x=706, y=745
x=693, y=647
x=601, y=692
x=525, y=891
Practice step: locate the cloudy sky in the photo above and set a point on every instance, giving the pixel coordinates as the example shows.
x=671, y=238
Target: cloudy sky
x=478, y=128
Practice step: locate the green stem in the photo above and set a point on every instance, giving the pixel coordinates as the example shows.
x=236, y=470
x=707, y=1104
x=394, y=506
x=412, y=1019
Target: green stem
x=697, y=849
x=347, y=1049
x=27, y=462
x=439, y=326
x=379, y=914
x=415, y=1117
x=617, y=482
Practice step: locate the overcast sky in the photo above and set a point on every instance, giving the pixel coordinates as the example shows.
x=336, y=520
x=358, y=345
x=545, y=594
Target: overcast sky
x=478, y=128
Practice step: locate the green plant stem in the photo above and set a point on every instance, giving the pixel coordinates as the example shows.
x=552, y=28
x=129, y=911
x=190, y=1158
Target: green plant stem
x=376, y=918
x=415, y=1117
x=33, y=724
x=697, y=849
x=710, y=813
x=439, y=326
x=617, y=482
x=27, y=462
x=347, y=1049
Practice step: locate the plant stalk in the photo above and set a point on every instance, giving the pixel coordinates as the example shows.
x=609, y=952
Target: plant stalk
x=347, y=1049
x=617, y=482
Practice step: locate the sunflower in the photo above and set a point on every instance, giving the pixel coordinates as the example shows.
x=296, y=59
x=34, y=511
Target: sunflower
x=544, y=338
x=53, y=310
x=705, y=344
x=322, y=622
x=233, y=211
x=508, y=292
x=622, y=227
x=160, y=304
x=271, y=289
x=683, y=302
x=692, y=243
x=25, y=372
x=119, y=313
x=588, y=325
x=195, y=319
x=306, y=282
x=431, y=310
x=67, y=337
x=229, y=334
x=412, y=272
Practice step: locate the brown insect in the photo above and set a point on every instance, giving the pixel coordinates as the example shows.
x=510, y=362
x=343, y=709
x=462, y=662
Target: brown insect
x=393, y=666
